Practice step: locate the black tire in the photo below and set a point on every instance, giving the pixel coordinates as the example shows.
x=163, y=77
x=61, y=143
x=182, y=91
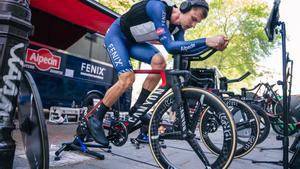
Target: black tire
x=160, y=130
x=264, y=125
x=247, y=127
x=32, y=123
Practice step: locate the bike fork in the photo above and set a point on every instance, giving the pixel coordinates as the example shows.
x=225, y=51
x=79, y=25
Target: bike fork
x=179, y=108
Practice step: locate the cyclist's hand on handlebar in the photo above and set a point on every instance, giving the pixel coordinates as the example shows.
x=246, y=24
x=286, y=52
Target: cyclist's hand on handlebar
x=215, y=41
x=219, y=42
x=224, y=45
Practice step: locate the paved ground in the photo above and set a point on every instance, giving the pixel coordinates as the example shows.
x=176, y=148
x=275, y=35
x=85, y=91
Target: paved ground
x=128, y=157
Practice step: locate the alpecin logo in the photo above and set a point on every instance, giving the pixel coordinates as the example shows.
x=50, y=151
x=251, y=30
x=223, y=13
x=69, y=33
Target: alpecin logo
x=43, y=59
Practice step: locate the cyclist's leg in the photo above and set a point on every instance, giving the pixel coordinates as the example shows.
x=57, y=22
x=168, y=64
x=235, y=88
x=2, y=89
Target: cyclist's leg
x=117, y=46
x=147, y=53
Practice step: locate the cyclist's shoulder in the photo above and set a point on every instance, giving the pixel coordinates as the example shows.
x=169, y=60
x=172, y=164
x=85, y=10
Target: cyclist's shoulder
x=156, y=8
x=162, y=3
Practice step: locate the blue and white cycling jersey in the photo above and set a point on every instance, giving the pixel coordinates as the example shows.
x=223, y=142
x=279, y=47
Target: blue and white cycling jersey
x=146, y=20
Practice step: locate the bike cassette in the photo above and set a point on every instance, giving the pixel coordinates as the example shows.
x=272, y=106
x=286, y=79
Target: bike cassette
x=212, y=125
x=118, y=134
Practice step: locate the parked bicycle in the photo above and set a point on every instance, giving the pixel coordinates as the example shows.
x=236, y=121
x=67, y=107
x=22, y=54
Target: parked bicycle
x=246, y=121
x=270, y=101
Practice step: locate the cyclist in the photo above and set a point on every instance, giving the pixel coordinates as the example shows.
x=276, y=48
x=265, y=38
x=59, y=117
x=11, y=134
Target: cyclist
x=128, y=37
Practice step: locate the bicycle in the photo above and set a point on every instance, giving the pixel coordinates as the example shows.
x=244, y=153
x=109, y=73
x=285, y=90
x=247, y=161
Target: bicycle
x=182, y=125
x=271, y=103
x=245, y=118
x=171, y=128
x=262, y=118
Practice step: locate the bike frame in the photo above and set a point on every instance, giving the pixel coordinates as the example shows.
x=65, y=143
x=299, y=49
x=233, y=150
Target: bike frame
x=269, y=88
x=170, y=80
x=133, y=121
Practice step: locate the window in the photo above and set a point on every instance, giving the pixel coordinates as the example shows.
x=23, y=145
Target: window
x=98, y=50
x=91, y=46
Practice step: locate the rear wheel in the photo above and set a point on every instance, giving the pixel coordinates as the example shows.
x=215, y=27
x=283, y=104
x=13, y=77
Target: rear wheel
x=247, y=128
x=178, y=148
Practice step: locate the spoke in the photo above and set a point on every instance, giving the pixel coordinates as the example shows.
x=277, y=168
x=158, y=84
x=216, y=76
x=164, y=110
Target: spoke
x=244, y=116
x=244, y=124
x=197, y=149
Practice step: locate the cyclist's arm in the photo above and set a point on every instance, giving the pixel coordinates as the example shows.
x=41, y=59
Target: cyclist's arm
x=157, y=13
x=179, y=36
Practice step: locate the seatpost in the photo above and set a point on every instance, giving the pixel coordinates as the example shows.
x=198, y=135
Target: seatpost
x=15, y=28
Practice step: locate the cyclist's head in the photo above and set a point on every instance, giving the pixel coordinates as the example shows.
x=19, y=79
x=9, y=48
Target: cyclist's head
x=192, y=12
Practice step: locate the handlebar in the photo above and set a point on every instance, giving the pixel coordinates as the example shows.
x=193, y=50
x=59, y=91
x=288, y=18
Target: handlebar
x=198, y=56
x=259, y=85
x=245, y=90
x=226, y=81
x=178, y=58
x=255, y=87
x=239, y=79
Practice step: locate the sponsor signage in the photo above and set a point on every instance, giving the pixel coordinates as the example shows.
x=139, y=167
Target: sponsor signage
x=43, y=59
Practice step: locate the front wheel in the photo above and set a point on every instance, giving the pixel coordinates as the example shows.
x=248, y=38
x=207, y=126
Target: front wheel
x=181, y=147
